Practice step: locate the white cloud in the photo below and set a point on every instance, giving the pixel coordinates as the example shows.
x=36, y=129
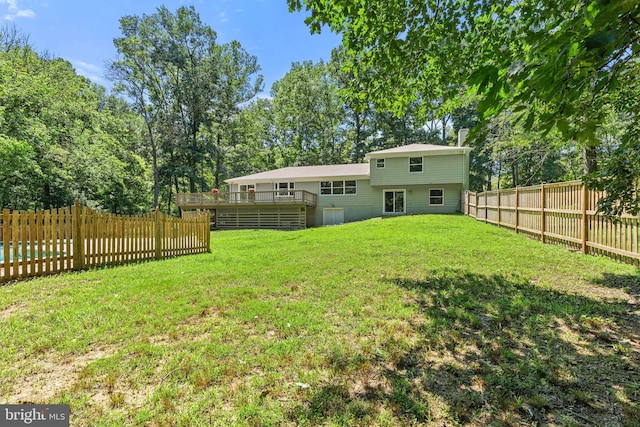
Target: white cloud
x=25, y=13
x=90, y=71
x=15, y=11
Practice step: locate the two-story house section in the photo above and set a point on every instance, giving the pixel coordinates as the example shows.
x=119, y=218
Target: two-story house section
x=419, y=178
x=411, y=179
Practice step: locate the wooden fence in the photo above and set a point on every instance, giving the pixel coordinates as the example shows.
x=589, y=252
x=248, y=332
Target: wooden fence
x=76, y=238
x=564, y=213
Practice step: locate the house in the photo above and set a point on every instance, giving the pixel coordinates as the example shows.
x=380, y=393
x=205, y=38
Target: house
x=411, y=179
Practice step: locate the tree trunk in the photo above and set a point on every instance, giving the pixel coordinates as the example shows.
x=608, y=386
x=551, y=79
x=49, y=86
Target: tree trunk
x=359, y=149
x=218, y=160
x=154, y=158
x=589, y=160
x=47, y=196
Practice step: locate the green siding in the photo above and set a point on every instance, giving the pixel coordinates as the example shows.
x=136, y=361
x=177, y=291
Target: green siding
x=444, y=169
x=418, y=199
x=446, y=172
x=366, y=203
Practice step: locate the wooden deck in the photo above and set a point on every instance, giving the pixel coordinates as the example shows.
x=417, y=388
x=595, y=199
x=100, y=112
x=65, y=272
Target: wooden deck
x=235, y=199
x=283, y=210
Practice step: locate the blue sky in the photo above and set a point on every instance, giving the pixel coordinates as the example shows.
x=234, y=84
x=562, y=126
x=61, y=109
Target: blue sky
x=82, y=31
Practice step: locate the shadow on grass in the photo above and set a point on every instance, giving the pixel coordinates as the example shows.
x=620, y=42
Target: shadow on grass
x=492, y=350
x=628, y=283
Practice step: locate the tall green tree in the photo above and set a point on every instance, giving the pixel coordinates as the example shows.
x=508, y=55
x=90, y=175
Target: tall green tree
x=308, y=116
x=188, y=88
x=552, y=64
x=60, y=142
x=239, y=82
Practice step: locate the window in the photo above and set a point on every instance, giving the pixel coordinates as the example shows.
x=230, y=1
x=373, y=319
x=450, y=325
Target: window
x=284, y=189
x=415, y=164
x=393, y=201
x=245, y=190
x=436, y=197
x=349, y=187
x=380, y=163
x=338, y=187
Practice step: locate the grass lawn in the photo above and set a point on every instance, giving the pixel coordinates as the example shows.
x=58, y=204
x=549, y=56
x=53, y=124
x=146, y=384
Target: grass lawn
x=419, y=320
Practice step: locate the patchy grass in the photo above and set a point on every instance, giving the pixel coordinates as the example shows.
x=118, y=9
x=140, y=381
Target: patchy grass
x=425, y=320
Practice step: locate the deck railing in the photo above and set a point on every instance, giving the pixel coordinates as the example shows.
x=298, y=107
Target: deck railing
x=564, y=212
x=77, y=237
x=278, y=197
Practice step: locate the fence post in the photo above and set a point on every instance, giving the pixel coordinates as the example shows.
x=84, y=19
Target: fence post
x=6, y=241
x=499, y=216
x=78, y=238
x=207, y=230
x=486, y=206
x=543, y=219
x=516, y=211
x=585, y=222
x=476, y=214
x=158, y=234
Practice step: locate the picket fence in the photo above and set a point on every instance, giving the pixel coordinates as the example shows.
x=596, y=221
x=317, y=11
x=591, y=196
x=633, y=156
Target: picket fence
x=77, y=238
x=564, y=213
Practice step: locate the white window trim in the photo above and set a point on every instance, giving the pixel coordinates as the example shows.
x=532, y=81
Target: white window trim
x=344, y=186
x=436, y=204
x=404, y=201
x=291, y=187
x=421, y=164
x=384, y=163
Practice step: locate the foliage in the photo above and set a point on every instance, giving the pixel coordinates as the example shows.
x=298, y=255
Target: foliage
x=188, y=88
x=406, y=321
x=550, y=64
x=308, y=115
x=619, y=171
x=59, y=140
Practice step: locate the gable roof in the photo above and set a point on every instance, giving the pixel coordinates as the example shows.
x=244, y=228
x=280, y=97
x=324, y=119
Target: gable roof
x=421, y=149
x=306, y=173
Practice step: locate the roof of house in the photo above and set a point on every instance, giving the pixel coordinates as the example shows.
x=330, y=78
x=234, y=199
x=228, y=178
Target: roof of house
x=306, y=173
x=424, y=149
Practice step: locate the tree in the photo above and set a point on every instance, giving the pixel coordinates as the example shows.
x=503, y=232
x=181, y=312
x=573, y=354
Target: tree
x=236, y=86
x=62, y=139
x=188, y=88
x=308, y=116
x=551, y=64
x=619, y=171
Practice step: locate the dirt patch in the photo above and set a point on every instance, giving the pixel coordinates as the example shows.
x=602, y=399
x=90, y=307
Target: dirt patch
x=52, y=374
x=12, y=310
